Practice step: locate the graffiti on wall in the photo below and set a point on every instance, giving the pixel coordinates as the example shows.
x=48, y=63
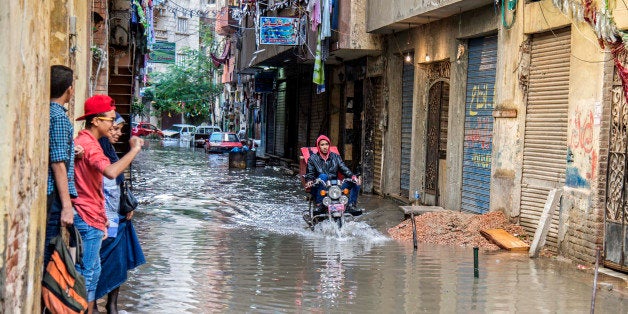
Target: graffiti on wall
x=478, y=135
x=582, y=158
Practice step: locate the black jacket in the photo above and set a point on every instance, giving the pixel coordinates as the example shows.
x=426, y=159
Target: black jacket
x=317, y=165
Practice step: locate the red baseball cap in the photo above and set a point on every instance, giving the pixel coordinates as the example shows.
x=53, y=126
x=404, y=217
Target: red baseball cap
x=97, y=104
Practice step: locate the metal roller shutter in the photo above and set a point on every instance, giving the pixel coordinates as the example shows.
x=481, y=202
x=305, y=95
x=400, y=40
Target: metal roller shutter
x=280, y=120
x=545, y=142
x=378, y=136
x=270, y=124
x=407, y=92
x=478, y=125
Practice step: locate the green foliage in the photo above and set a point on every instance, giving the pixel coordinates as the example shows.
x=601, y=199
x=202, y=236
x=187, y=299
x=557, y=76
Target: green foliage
x=186, y=87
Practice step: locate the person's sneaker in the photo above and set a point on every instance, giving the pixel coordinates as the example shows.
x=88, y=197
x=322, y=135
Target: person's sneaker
x=353, y=210
x=307, y=218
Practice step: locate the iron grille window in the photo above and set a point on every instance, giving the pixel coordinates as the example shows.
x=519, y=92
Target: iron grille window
x=182, y=25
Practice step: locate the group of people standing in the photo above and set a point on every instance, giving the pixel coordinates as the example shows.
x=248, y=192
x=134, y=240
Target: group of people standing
x=85, y=177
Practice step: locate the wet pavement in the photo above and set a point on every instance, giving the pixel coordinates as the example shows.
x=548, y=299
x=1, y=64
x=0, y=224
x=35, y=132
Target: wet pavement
x=231, y=240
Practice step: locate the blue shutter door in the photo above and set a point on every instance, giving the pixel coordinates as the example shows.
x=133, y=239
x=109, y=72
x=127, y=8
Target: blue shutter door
x=478, y=125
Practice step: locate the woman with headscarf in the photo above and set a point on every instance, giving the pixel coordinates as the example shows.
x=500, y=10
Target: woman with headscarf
x=121, y=251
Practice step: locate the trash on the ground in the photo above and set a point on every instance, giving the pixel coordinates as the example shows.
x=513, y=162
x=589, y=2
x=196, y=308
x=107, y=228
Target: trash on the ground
x=455, y=228
x=505, y=240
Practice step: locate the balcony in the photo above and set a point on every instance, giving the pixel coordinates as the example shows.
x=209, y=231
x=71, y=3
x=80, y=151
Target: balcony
x=224, y=22
x=384, y=16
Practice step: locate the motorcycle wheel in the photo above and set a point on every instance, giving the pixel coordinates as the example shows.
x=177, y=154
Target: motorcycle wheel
x=339, y=222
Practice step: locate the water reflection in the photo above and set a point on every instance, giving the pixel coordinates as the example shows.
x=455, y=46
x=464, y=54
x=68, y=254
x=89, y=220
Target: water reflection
x=221, y=240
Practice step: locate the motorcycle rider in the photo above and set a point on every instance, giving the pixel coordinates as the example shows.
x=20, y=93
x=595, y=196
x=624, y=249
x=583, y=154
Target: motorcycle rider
x=326, y=165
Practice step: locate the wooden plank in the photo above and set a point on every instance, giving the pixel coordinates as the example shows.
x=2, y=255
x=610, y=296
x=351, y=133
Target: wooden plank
x=545, y=221
x=505, y=240
x=418, y=210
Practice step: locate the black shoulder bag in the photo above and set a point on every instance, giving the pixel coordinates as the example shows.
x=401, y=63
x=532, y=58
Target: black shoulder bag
x=128, y=202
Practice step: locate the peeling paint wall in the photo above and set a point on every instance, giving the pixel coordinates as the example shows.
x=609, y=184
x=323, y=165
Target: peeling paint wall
x=581, y=226
x=35, y=35
x=352, y=27
x=440, y=40
x=24, y=89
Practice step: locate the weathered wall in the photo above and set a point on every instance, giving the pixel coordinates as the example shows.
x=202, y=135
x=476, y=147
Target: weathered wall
x=392, y=113
x=581, y=212
x=80, y=56
x=383, y=13
x=353, y=23
x=440, y=40
x=99, y=67
x=508, y=132
x=24, y=47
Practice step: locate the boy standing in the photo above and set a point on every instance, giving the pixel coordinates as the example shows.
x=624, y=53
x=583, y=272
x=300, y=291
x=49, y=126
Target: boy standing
x=61, y=187
x=91, y=219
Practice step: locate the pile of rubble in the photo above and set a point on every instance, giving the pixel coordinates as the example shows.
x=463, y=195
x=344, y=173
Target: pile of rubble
x=456, y=228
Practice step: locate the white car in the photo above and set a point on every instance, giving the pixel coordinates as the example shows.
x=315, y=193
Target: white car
x=181, y=135
x=203, y=132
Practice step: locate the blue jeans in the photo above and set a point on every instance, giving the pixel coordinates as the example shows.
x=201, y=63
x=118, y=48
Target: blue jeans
x=90, y=268
x=354, y=190
x=53, y=223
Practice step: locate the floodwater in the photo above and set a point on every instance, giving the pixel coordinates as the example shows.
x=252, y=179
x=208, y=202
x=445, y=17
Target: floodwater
x=230, y=240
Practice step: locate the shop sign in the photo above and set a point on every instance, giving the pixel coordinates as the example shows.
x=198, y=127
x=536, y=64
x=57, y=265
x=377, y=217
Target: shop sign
x=279, y=31
x=163, y=52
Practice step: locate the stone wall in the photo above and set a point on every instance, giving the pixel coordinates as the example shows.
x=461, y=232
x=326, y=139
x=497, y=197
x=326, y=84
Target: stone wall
x=25, y=66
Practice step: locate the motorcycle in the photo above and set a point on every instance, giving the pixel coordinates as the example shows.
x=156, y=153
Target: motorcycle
x=334, y=206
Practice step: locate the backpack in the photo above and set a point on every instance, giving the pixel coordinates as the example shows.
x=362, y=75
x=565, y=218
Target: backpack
x=63, y=287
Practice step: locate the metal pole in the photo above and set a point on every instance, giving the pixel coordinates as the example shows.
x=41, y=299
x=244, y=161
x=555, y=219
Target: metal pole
x=416, y=202
x=597, y=265
x=414, y=240
x=476, y=268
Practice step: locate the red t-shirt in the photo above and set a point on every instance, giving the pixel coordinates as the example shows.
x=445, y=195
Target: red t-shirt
x=88, y=175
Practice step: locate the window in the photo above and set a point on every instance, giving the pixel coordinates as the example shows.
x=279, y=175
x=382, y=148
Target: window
x=180, y=58
x=182, y=25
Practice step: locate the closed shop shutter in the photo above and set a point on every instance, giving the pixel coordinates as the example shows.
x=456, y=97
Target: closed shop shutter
x=407, y=92
x=545, y=142
x=270, y=124
x=378, y=136
x=280, y=120
x=478, y=124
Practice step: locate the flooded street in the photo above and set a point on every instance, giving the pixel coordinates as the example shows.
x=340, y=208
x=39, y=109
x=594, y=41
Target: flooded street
x=230, y=240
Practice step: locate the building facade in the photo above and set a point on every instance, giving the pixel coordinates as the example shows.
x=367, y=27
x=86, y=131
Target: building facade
x=466, y=106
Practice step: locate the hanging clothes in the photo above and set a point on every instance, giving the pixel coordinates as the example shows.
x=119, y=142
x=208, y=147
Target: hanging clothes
x=326, y=19
x=334, y=14
x=318, y=76
x=314, y=9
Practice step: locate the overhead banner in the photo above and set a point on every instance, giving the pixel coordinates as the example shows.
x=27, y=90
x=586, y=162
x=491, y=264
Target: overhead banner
x=279, y=31
x=163, y=52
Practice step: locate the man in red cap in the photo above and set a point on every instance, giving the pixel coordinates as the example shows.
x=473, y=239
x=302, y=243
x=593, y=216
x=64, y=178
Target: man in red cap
x=90, y=218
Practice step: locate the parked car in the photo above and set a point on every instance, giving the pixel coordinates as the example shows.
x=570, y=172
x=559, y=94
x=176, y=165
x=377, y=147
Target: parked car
x=145, y=129
x=180, y=135
x=220, y=142
x=203, y=132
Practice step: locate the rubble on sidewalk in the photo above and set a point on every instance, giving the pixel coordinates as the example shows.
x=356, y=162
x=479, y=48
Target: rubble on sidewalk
x=456, y=228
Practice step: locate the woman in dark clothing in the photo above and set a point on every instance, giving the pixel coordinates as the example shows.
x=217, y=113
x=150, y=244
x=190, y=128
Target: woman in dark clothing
x=121, y=251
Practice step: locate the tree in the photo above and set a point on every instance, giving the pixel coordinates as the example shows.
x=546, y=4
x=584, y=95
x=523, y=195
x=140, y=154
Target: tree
x=187, y=87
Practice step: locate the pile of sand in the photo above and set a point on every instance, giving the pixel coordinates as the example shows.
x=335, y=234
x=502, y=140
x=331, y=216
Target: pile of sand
x=456, y=228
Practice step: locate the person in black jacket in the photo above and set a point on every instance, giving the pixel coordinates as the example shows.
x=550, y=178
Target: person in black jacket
x=326, y=165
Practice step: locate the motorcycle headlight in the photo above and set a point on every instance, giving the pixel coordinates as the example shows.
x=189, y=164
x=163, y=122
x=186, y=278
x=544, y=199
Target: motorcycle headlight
x=335, y=192
x=327, y=201
x=344, y=200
